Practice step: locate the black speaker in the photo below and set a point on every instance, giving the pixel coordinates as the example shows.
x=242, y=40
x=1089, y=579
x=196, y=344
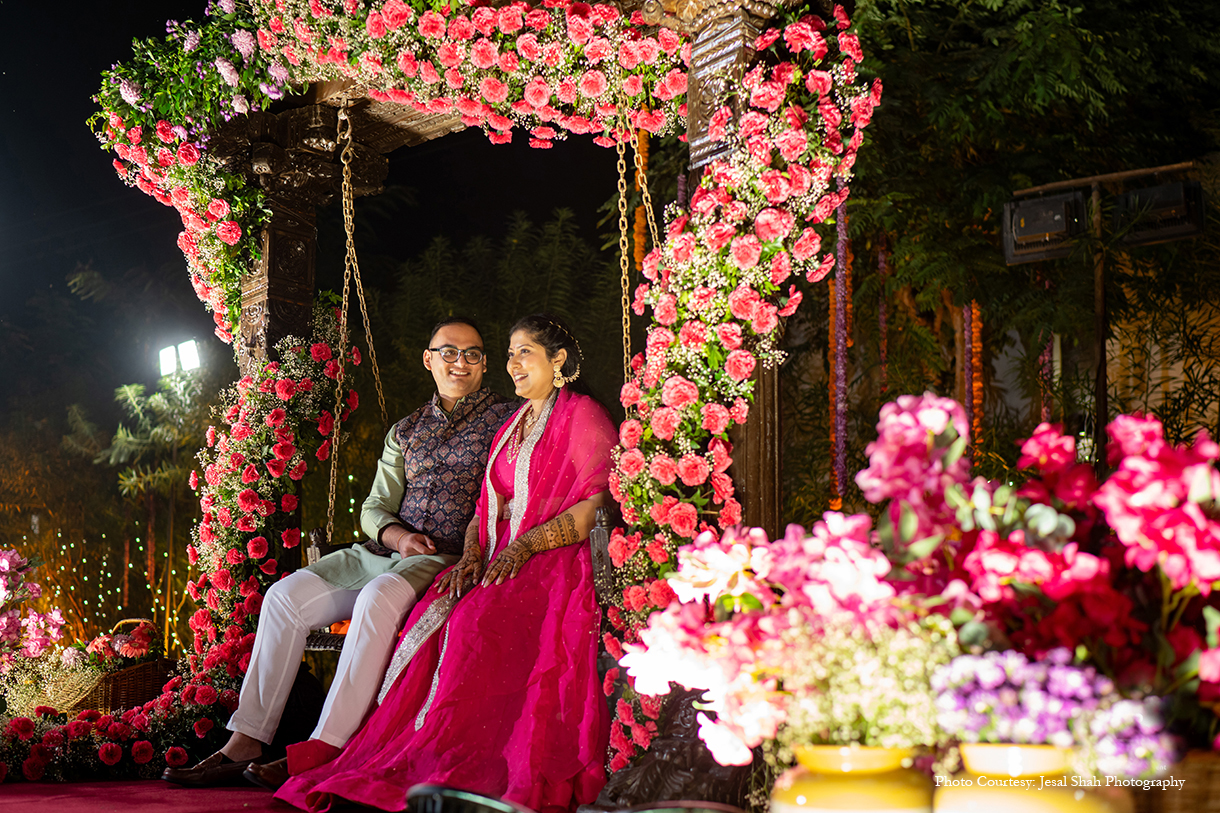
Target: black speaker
x=1159, y=214
x=1042, y=228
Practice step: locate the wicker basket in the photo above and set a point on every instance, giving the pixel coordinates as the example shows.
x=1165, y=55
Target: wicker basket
x=113, y=691
x=1200, y=771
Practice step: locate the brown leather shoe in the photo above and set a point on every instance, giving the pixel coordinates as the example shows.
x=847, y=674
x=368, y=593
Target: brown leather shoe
x=214, y=772
x=269, y=775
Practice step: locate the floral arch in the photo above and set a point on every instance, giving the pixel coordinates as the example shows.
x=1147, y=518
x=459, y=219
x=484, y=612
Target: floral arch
x=726, y=270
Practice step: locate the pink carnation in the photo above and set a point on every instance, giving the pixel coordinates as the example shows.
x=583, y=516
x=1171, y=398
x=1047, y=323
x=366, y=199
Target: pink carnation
x=663, y=469
x=715, y=418
x=665, y=420
x=739, y=365
x=678, y=392
x=693, y=469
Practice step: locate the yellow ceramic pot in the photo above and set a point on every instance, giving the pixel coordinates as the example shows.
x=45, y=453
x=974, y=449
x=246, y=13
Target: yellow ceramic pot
x=1024, y=779
x=833, y=778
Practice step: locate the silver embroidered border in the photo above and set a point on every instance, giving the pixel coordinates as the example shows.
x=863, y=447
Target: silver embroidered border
x=432, y=619
x=436, y=679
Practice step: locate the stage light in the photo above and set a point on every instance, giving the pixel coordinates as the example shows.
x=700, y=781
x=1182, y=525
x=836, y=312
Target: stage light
x=188, y=354
x=169, y=361
x=1042, y=228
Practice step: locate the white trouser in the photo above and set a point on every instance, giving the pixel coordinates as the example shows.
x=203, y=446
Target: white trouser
x=291, y=609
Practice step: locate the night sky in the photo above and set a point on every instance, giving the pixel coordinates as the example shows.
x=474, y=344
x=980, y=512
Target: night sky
x=62, y=206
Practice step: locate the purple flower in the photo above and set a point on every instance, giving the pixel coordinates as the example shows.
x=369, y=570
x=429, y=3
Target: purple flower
x=240, y=104
x=278, y=72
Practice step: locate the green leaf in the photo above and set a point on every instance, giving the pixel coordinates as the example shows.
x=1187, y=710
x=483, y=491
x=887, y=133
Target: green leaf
x=956, y=450
x=1212, y=616
x=960, y=616
x=973, y=633
x=908, y=522
x=923, y=548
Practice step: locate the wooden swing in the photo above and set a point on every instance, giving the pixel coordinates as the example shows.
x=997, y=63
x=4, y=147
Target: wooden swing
x=320, y=540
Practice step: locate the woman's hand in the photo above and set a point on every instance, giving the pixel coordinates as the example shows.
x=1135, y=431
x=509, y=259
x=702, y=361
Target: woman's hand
x=508, y=563
x=464, y=575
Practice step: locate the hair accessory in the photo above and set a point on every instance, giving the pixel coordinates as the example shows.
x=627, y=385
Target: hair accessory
x=560, y=327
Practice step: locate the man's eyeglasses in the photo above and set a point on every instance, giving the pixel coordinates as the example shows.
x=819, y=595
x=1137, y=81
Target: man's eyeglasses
x=449, y=354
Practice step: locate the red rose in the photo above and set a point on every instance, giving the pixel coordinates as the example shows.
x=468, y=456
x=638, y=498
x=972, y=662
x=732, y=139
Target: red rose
x=175, y=757
x=739, y=365
x=33, y=768
x=819, y=82
x=229, y=232
x=773, y=224
x=202, y=727
x=142, y=752
x=110, y=753
x=746, y=250
x=634, y=598
x=850, y=45
x=665, y=421
x=660, y=594
x=248, y=500
x=283, y=451
x=320, y=352
x=682, y=519
x=693, y=469
x=21, y=727
x=632, y=463
x=253, y=603
x=630, y=394
x=269, y=567
x=257, y=547
x=715, y=418
x=629, y=433
x=205, y=695
x=249, y=475
x=663, y=469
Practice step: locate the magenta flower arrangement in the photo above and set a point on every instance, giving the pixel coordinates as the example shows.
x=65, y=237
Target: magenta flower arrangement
x=29, y=636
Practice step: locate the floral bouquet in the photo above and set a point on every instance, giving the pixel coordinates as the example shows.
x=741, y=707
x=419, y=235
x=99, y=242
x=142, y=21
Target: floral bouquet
x=1119, y=573
x=799, y=641
x=21, y=637
x=1003, y=697
x=114, y=650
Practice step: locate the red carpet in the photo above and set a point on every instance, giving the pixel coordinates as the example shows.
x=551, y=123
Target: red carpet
x=135, y=796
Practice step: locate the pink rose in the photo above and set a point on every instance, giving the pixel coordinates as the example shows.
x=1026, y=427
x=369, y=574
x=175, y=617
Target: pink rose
x=593, y=84
x=776, y=186
x=693, y=334
x=781, y=268
x=632, y=463
x=682, y=519
x=718, y=235
x=663, y=469
x=693, y=469
x=746, y=250
x=742, y=302
x=629, y=433
x=678, y=392
x=739, y=365
x=729, y=334
x=666, y=309
x=715, y=418
x=665, y=420
x=229, y=232
x=630, y=394
x=808, y=244
x=431, y=25
x=768, y=96
x=773, y=224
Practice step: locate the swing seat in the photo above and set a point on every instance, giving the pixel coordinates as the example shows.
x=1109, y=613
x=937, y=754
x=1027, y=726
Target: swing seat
x=323, y=640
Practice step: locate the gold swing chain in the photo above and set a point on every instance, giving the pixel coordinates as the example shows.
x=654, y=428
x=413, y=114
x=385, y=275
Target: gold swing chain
x=622, y=246
x=351, y=268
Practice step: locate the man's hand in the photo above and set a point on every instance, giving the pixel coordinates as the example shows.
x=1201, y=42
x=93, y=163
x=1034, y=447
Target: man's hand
x=407, y=543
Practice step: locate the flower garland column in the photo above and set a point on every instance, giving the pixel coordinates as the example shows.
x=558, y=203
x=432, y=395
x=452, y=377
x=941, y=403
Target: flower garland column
x=840, y=348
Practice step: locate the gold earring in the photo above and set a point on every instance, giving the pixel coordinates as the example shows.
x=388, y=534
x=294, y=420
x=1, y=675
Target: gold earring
x=558, y=381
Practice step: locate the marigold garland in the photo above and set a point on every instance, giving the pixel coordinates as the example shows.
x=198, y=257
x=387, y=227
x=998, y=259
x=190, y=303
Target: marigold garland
x=976, y=354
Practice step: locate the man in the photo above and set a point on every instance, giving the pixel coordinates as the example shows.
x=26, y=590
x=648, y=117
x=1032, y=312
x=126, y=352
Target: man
x=422, y=499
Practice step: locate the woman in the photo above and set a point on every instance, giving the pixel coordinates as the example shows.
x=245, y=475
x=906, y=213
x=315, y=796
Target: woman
x=494, y=687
